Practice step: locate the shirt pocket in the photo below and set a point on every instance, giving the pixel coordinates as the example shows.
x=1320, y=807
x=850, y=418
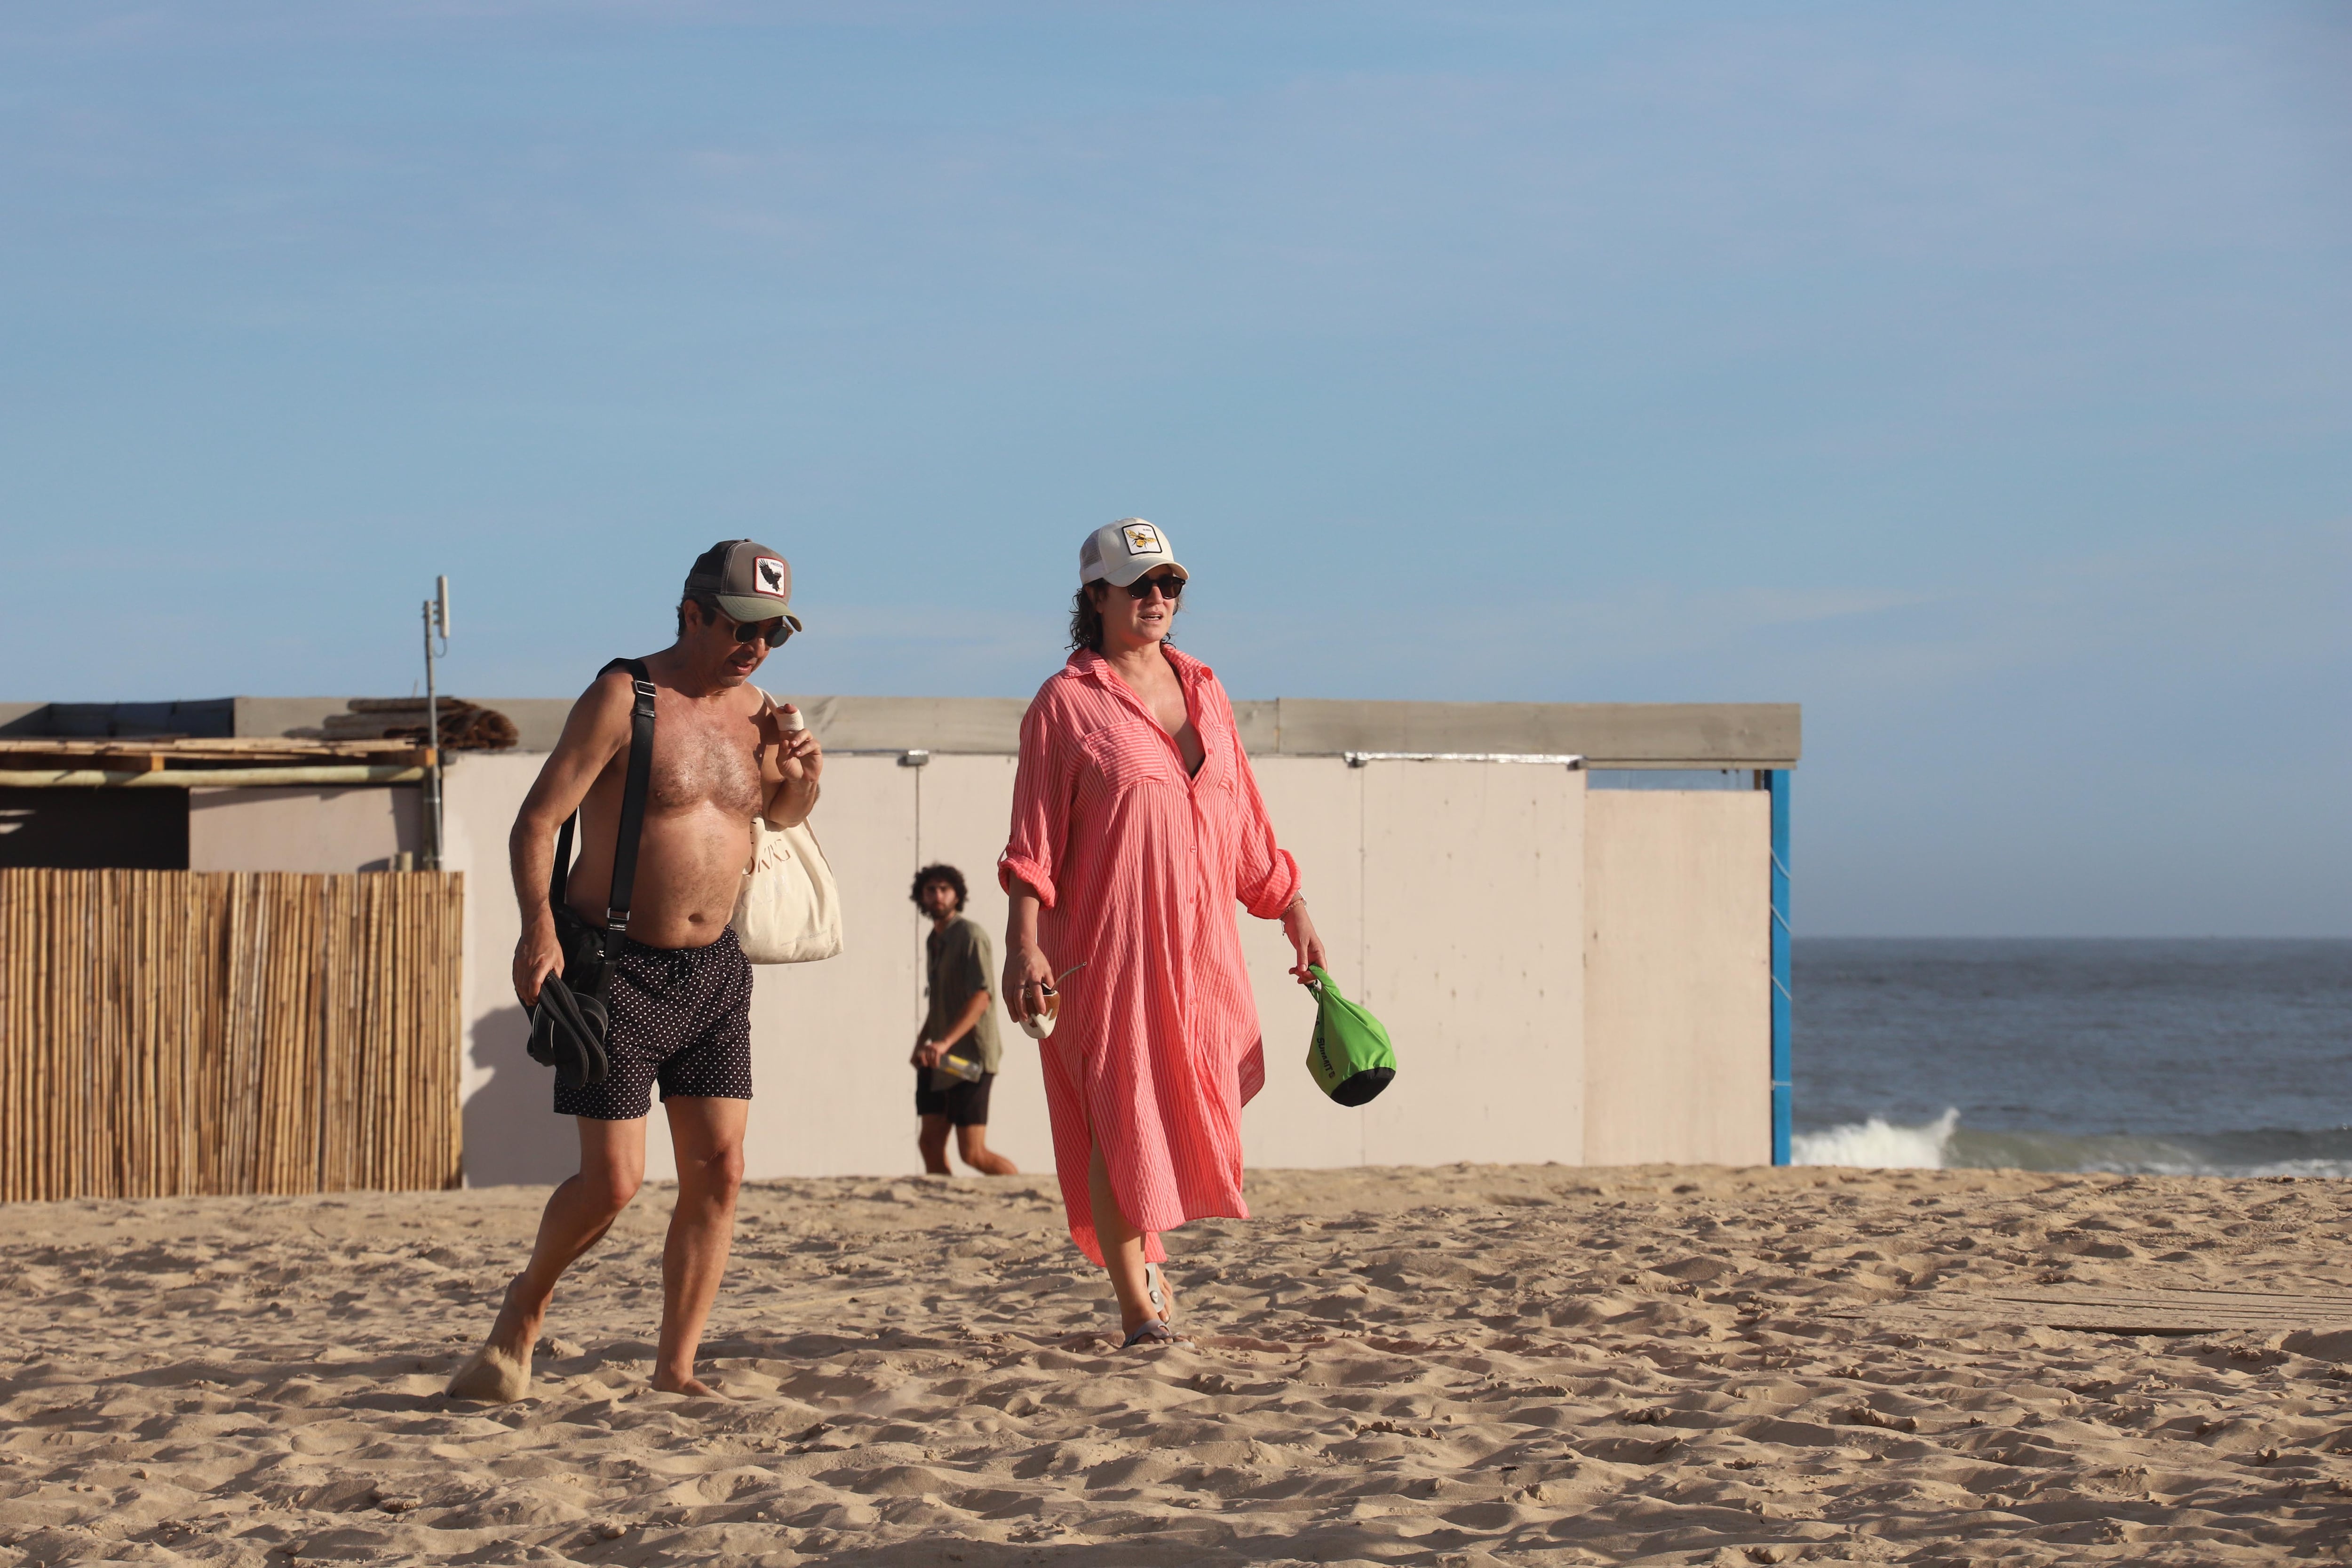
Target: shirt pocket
x=1131, y=755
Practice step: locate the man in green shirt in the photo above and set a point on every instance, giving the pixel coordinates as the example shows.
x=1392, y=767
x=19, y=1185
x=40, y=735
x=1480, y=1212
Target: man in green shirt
x=957, y=1053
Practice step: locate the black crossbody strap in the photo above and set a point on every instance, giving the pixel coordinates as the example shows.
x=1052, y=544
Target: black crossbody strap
x=633, y=796
x=557, y=879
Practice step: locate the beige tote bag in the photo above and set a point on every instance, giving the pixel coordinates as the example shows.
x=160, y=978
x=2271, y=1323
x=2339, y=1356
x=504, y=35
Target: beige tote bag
x=788, y=911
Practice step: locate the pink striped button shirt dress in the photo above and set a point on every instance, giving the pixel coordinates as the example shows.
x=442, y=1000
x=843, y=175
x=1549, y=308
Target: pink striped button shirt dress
x=1137, y=869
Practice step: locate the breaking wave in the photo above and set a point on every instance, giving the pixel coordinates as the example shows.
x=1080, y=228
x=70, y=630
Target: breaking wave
x=1945, y=1144
x=1879, y=1145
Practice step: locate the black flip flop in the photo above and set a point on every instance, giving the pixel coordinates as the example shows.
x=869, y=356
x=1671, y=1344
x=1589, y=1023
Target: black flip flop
x=567, y=1031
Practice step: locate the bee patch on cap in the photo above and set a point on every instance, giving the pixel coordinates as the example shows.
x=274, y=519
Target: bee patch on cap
x=768, y=576
x=1143, y=538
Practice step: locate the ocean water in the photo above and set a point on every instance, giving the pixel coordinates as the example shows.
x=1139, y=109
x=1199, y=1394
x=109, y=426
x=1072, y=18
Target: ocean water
x=2224, y=1058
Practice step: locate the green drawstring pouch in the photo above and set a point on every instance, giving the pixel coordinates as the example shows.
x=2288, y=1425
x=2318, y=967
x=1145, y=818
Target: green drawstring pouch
x=1349, y=1056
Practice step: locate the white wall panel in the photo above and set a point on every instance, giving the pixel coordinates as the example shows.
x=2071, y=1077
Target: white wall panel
x=512, y=1131
x=1317, y=804
x=1474, y=904
x=1678, y=966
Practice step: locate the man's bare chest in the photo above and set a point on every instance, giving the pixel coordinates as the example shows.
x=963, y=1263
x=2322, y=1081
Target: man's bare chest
x=704, y=760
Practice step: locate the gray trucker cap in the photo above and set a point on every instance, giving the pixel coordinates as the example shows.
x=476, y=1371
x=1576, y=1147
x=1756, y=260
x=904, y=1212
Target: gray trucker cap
x=752, y=581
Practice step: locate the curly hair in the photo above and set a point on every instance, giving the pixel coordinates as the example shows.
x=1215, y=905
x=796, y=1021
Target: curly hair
x=1085, y=620
x=929, y=873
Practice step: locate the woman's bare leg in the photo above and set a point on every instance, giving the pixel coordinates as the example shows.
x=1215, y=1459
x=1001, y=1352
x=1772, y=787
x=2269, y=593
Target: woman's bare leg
x=1122, y=1248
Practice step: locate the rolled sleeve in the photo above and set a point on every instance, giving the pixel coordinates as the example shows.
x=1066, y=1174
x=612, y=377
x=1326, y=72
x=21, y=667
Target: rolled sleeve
x=1042, y=788
x=1267, y=876
x=1273, y=893
x=1013, y=869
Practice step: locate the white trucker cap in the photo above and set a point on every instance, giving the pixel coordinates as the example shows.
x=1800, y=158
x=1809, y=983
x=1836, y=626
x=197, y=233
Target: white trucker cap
x=1124, y=551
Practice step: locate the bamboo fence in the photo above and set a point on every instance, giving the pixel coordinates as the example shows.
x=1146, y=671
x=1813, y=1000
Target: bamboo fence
x=170, y=1033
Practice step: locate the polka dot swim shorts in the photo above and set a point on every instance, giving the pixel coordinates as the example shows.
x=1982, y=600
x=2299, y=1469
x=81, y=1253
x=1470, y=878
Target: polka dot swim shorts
x=681, y=1015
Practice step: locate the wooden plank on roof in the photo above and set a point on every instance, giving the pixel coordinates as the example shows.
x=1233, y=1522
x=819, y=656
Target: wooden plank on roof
x=147, y=755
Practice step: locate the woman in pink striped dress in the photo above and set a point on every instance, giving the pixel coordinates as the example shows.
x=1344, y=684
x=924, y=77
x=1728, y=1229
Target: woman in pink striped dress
x=1137, y=825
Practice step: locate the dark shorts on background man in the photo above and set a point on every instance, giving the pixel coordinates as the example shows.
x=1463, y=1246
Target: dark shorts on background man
x=681, y=1017
x=963, y=1103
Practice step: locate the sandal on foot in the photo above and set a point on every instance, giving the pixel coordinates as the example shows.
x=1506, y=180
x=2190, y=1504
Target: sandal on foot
x=1156, y=1291
x=1150, y=1331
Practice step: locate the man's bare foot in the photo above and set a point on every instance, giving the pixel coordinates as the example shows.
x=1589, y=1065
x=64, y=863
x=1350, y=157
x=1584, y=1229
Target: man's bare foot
x=492, y=1377
x=689, y=1385
x=499, y=1372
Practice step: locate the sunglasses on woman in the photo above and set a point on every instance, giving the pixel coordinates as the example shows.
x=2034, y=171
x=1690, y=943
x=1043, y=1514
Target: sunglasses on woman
x=1169, y=586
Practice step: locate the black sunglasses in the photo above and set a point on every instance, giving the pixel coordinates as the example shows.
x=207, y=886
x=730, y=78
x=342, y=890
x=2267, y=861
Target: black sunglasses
x=775, y=636
x=1141, y=588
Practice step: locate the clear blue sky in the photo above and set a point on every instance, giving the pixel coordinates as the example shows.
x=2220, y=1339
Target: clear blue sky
x=1979, y=376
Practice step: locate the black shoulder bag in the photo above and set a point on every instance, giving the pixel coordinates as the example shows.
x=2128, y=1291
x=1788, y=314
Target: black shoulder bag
x=569, y=1027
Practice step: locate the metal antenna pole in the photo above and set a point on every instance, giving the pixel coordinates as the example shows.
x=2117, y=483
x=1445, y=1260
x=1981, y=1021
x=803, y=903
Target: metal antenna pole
x=436, y=621
x=432, y=754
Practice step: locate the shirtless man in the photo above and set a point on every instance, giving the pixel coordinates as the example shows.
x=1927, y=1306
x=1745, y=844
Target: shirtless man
x=680, y=993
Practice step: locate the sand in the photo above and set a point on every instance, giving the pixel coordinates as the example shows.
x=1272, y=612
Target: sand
x=1469, y=1366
